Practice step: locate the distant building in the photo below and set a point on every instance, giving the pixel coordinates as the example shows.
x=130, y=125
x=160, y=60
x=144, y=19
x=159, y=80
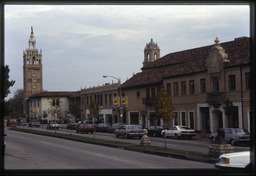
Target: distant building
x=32, y=71
x=199, y=81
x=103, y=96
x=52, y=106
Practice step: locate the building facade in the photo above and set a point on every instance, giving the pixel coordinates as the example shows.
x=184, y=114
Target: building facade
x=52, y=106
x=103, y=97
x=202, y=83
x=32, y=71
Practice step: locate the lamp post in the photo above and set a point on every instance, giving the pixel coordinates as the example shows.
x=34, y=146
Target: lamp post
x=120, y=101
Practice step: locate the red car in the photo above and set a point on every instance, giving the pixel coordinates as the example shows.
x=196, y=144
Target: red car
x=12, y=122
x=85, y=128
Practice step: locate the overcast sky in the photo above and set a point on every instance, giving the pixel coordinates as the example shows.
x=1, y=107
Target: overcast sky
x=81, y=43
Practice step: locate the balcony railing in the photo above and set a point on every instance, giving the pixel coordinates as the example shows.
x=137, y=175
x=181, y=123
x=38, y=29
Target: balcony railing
x=216, y=99
x=148, y=101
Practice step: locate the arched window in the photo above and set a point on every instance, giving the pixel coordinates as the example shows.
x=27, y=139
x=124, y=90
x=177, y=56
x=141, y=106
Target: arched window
x=155, y=56
x=148, y=57
x=34, y=60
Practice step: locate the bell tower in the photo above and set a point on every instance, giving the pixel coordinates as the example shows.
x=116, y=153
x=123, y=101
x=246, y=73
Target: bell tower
x=32, y=68
x=151, y=52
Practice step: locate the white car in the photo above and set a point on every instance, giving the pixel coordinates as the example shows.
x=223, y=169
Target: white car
x=178, y=132
x=236, y=160
x=53, y=125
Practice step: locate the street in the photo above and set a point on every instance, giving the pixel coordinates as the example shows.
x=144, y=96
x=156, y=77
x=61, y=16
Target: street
x=186, y=145
x=30, y=151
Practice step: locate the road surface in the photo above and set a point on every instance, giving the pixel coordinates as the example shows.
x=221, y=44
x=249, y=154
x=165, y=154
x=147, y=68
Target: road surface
x=30, y=151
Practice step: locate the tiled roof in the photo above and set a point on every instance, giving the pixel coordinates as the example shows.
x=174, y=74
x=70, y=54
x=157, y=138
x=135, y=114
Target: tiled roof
x=55, y=94
x=188, y=62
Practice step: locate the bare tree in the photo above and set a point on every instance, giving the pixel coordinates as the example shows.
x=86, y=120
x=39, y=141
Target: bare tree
x=16, y=104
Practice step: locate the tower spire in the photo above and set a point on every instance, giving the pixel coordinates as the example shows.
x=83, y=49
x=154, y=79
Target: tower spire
x=32, y=40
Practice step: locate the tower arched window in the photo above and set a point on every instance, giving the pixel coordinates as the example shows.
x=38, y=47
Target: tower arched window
x=33, y=61
x=155, y=56
x=148, y=57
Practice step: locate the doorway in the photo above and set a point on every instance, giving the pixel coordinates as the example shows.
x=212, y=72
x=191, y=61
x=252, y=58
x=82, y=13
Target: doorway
x=205, y=116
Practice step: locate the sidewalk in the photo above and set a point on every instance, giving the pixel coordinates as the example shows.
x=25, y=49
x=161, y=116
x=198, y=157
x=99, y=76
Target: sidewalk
x=200, y=137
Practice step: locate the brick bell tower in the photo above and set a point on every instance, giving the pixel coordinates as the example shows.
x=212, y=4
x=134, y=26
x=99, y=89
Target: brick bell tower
x=32, y=71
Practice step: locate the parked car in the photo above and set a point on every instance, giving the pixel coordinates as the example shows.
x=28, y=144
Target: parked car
x=102, y=127
x=179, y=132
x=34, y=122
x=236, y=160
x=72, y=126
x=85, y=128
x=88, y=122
x=128, y=131
x=12, y=122
x=155, y=130
x=233, y=136
x=53, y=125
x=112, y=128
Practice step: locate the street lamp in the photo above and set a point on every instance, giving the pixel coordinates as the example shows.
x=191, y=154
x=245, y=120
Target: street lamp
x=120, y=101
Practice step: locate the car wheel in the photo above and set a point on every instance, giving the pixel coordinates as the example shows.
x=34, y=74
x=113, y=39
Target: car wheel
x=232, y=142
x=213, y=140
x=86, y=132
x=126, y=136
x=176, y=136
x=76, y=131
x=92, y=132
x=116, y=135
x=163, y=135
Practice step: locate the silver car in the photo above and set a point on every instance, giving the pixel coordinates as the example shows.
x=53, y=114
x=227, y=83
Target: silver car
x=53, y=125
x=233, y=136
x=128, y=131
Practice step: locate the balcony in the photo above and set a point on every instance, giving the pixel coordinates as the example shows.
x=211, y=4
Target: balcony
x=216, y=99
x=148, y=101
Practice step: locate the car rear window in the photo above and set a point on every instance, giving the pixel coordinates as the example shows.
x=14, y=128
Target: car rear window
x=185, y=128
x=134, y=127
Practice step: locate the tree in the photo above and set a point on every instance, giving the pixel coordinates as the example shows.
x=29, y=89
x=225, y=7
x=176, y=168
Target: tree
x=44, y=114
x=229, y=107
x=7, y=84
x=230, y=111
x=163, y=106
x=94, y=110
x=55, y=107
x=16, y=104
x=75, y=109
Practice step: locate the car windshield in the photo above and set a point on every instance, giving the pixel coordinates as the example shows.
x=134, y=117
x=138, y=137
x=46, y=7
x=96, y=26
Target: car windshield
x=241, y=131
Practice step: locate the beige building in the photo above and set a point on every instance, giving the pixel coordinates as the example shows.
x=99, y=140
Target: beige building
x=199, y=81
x=103, y=96
x=32, y=71
x=51, y=106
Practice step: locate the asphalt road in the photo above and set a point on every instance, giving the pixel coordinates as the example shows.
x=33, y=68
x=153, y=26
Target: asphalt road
x=201, y=146
x=30, y=151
